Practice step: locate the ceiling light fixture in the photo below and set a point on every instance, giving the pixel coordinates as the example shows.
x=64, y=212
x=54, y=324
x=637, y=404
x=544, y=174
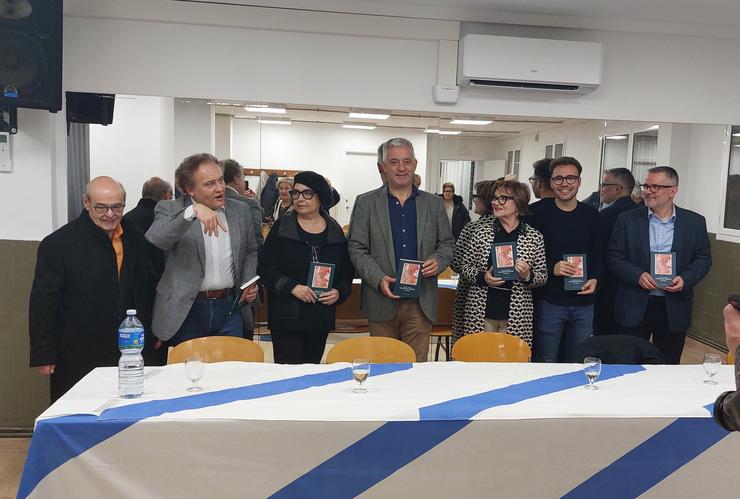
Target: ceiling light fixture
x=450, y=132
x=358, y=126
x=654, y=127
x=616, y=137
x=265, y=109
x=369, y=114
x=274, y=122
x=431, y=130
x=470, y=122
x=736, y=134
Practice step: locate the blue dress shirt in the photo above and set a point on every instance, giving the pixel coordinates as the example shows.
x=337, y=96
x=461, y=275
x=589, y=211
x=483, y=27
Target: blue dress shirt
x=403, y=225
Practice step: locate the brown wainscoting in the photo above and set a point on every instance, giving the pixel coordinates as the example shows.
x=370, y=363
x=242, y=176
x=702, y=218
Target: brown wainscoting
x=710, y=296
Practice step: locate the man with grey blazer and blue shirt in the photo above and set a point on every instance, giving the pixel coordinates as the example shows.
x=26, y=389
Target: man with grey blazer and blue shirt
x=210, y=250
x=399, y=221
x=642, y=308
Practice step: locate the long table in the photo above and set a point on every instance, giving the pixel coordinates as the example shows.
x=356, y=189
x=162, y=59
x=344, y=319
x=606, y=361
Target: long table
x=447, y=429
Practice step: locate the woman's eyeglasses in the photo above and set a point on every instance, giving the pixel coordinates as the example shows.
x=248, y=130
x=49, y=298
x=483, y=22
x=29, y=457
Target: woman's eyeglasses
x=501, y=199
x=307, y=194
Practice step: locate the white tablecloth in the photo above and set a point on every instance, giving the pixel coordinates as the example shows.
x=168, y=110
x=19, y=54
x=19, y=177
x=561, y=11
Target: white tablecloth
x=263, y=429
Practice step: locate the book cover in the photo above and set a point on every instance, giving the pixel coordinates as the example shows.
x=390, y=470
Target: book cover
x=576, y=282
x=503, y=257
x=320, y=276
x=662, y=267
x=408, y=278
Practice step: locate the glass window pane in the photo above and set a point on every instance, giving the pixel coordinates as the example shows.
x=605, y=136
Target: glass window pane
x=548, y=152
x=558, y=150
x=644, y=149
x=732, y=199
x=615, y=152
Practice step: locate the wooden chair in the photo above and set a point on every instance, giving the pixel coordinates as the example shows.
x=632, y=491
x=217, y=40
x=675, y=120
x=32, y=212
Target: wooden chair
x=445, y=274
x=377, y=350
x=491, y=347
x=217, y=349
x=442, y=329
x=349, y=317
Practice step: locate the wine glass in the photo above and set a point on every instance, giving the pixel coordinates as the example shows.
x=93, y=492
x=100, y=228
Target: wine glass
x=711, y=365
x=360, y=372
x=592, y=369
x=194, y=367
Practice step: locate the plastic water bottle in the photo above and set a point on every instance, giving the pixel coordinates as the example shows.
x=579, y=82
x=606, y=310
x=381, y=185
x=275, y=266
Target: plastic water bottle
x=131, y=364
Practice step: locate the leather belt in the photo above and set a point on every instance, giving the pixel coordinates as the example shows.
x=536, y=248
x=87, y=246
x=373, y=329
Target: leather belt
x=656, y=298
x=213, y=294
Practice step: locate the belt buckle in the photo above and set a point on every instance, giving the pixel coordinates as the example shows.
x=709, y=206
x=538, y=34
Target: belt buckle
x=213, y=294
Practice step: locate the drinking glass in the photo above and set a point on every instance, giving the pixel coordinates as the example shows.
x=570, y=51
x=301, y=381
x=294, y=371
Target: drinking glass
x=592, y=369
x=711, y=365
x=194, y=367
x=360, y=372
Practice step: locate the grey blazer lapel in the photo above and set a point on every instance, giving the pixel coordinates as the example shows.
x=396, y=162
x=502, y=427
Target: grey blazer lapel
x=235, y=236
x=422, y=213
x=384, y=221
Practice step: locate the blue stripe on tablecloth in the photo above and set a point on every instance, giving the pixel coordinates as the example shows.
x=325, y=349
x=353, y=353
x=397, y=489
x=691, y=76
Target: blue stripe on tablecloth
x=386, y=450
x=646, y=465
x=56, y=440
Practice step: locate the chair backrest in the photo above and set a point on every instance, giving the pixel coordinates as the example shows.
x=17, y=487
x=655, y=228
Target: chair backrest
x=445, y=305
x=491, y=347
x=217, y=349
x=618, y=349
x=377, y=350
x=350, y=308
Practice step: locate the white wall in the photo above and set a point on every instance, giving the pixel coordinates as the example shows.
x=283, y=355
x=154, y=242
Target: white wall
x=138, y=144
x=222, y=132
x=700, y=189
x=35, y=190
x=194, y=129
x=311, y=146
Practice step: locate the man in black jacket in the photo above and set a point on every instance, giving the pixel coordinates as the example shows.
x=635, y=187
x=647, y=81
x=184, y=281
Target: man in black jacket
x=456, y=211
x=87, y=274
x=642, y=308
x=616, y=189
x=155, y=190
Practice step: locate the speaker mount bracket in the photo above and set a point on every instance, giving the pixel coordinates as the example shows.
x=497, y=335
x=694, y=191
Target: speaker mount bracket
x=8, y=118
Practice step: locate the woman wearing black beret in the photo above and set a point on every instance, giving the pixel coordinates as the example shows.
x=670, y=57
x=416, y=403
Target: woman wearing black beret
x=300, y=314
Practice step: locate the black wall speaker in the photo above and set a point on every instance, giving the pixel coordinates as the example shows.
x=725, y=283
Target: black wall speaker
x=31, y=54
x=83, y=107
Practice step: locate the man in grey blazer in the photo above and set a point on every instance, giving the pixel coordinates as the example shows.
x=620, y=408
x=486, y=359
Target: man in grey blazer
x=390, y=223
x=210, y=250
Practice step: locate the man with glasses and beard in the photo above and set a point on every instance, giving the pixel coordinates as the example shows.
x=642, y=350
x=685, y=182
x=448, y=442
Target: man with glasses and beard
x=642, y=308
x=563, y=319
x=88, y=273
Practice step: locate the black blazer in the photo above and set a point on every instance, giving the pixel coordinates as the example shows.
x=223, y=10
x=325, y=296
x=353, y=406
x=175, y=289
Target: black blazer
x=142, y=217
x=629, y=256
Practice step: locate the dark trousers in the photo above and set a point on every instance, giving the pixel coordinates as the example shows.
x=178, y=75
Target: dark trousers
x=655, y=323
x=298, y=347
x=209, y=318
x=604, y=322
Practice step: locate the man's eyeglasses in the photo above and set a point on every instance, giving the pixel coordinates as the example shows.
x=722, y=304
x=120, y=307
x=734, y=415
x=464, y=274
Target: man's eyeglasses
x=500, y=199
x=570, y=179
x=307, y=194
x=102, y=209
x=654, y=187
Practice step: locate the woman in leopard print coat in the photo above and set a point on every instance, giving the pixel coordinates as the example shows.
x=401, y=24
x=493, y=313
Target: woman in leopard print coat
x=471, y=258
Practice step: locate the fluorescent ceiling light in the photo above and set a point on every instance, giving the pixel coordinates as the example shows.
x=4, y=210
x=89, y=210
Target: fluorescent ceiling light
x=431, y=130
x=274, y=122
x=654, y=127
x=358, y=126
x=736, y=134
x=450, y=132
x=367, y=114
x=470, y=122
x=264, y=109
x=616, y=137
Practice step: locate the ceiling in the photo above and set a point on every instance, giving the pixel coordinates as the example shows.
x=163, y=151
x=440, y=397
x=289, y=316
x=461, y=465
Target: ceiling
x=502, y=126
x=706, y=16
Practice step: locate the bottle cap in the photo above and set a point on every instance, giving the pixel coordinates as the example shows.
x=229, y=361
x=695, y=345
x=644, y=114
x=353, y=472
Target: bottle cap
x=131, y=311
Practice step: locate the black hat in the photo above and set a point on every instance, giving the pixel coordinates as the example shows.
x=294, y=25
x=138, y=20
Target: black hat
x=318, y=184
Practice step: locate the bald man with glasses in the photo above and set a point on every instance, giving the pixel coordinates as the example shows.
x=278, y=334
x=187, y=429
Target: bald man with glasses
x=88, y=273
x=642, y=307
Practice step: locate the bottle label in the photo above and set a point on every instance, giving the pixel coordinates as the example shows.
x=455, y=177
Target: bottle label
x=130, y=338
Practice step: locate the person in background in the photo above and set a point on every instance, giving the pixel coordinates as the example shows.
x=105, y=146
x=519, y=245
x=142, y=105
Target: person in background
x=399, y=221
x=249, y=192
x=593, y=200
x=284, y=204
x=154, y=190
x=563, y=319
x=88, y=273
x=616, y=186
x=234, y=180
x=637, y=196
x=727, y=407
x=211, y=250
x=484, y=302
x=482, y=199
x=457, y=214
x=417, y=180
x=540, y=182
x=381, y=171
x=299, y=318
x=641, y=308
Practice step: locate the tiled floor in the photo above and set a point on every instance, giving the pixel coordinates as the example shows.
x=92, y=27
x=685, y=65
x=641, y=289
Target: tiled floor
x=13, y=450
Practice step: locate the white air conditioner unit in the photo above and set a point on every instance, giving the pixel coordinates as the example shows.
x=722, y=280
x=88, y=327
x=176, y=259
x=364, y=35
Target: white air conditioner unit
x=529, y=63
